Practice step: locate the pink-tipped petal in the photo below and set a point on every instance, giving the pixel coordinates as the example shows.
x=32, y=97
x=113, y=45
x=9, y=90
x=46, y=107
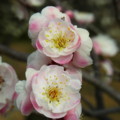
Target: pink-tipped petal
x=63, y=59
x=74, y=114
x=81, y=60
x=82, y=55
x=15, y=95
x=32, y=98
x=23, y=98
x=70, y=13
x=26, y=106
x=36, y=22
x=71, y=117
x=4, y=109
x=38, y=45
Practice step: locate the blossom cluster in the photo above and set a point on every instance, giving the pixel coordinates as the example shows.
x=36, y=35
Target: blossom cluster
x=53, y=78
x=54, y=36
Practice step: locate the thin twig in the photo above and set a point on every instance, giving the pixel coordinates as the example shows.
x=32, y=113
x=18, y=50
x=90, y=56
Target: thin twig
x=101, y=112
x=13, y=54
x=104, y=87
x=98, y=92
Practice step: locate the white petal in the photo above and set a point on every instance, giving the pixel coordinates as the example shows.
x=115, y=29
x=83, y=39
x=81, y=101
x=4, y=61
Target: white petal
x=36, y=60
x=20, y=86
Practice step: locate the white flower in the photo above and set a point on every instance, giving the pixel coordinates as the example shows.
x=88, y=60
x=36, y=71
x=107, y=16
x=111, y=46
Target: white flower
x=64, y=43
x=105, y=45
x=55, y=36
x=54, y=91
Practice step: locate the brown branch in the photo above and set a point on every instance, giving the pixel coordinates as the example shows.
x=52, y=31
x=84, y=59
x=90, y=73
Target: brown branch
x=104, y=87
x=13, y=54
x=101, y=112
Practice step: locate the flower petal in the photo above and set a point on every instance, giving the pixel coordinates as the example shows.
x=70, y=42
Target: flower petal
x=86, y=42
x=26, y=106
x=30, y=74
x=53, y=12
x=63, y=59
x=74, y=114
x=82, y=55
x=35, y=25
x=23, y=98
x=36, y=60
x=80, y=59
x=4, y=109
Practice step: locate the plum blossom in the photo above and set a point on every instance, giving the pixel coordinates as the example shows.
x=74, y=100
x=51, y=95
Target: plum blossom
x=55, y=92
x=59, y=39
x=40, y=20
x=64, y=43
x=83, y=17
x=104, y=45
x=8, y=79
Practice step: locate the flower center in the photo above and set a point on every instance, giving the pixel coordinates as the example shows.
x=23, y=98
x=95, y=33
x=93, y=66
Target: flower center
x=1, y=82
x=53, y=93
x=59, y=37
x=60, y=42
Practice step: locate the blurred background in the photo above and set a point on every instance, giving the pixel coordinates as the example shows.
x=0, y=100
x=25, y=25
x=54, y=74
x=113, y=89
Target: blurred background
x=104, y=18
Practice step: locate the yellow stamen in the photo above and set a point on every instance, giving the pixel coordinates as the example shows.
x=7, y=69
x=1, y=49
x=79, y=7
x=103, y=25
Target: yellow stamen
x=60, y=41
x=53, y=93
